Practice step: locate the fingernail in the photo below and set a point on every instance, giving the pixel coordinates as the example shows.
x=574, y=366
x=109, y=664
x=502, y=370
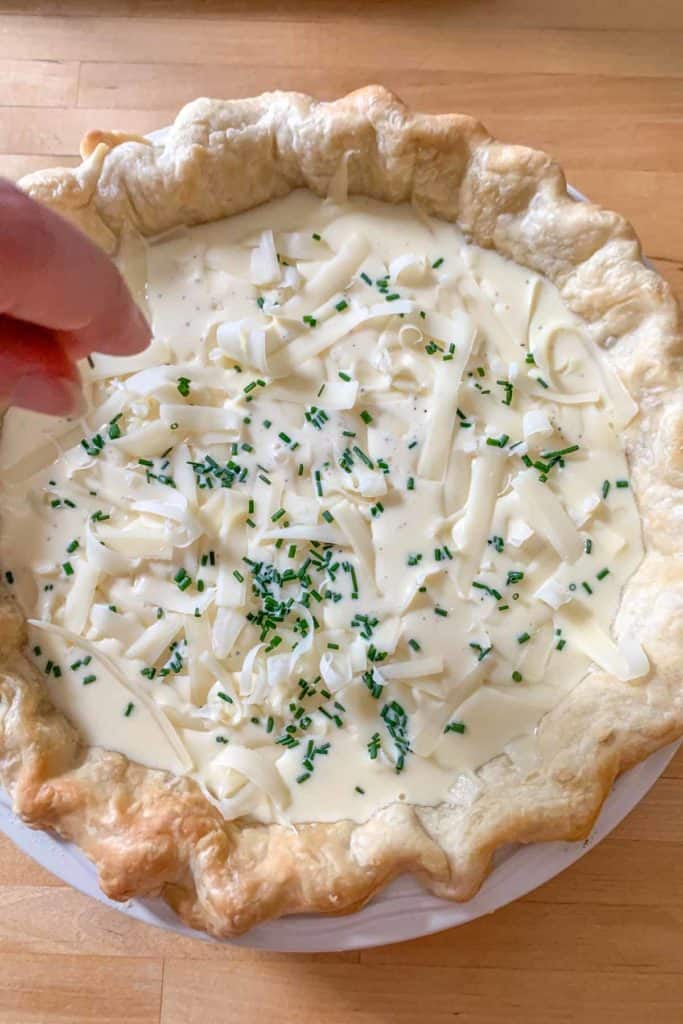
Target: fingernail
x=56, y=396
x=138, y=335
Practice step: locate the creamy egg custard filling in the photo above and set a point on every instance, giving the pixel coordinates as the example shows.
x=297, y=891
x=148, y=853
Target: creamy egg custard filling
x=357, y=519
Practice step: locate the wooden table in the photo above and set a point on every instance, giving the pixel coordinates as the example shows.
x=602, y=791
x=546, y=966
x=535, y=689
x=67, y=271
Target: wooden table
x=599, y=84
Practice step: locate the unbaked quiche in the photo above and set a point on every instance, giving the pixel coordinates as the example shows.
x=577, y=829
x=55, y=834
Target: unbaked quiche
x=368, y=564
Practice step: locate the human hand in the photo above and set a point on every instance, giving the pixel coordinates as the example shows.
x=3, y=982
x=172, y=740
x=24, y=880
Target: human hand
x=61, y=298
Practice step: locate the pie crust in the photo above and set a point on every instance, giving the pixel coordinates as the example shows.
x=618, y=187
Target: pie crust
x=150, y=832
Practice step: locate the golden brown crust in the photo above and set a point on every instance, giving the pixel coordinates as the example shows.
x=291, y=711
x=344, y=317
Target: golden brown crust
x=148, y=831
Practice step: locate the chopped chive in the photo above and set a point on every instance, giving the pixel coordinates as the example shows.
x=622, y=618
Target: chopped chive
x=129, y=710
x=498, y=442
x=458, y=727
x=363, y=457
x=560, y=453
x=184, y=386
x=517, y=676
x=68, y=568
x=509, y=388
x=89, y=679
x=588, y=547
x=437, y=263
x=365, y=416
x=414, y=644
x=341, y=305
x=523, y=638
x=315, y=236
x=514, y=576
x=601, y=575
x=441, y=611
x=622, y=483
x=489, y=590
x=410, y=483
x=587, y=587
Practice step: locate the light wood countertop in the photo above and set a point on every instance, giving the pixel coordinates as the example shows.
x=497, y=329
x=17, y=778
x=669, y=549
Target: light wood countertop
x=599, y=85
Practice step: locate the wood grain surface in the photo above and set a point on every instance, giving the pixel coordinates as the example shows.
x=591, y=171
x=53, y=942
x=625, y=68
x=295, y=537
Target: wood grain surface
x=597, y=83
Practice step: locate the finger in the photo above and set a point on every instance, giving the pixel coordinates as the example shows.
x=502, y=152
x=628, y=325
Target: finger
x=35, y=371
x=53, y=275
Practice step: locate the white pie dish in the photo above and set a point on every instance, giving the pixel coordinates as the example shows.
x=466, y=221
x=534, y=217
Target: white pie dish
x=57, y=797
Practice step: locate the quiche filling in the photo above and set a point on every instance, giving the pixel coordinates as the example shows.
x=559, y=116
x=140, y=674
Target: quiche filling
x=357, y=519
